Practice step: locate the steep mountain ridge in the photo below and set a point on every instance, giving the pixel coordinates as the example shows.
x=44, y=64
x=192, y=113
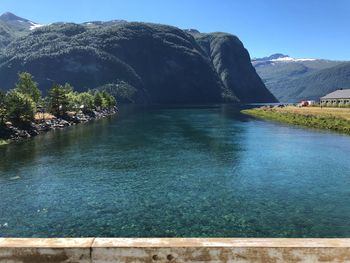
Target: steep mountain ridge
x=231, y=62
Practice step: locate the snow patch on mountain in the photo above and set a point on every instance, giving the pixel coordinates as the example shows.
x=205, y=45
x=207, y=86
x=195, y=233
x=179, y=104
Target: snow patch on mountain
x=34, y=25
x=290, y=59
x=277, y=59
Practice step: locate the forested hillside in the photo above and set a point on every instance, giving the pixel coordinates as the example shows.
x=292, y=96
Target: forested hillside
x=160, y=63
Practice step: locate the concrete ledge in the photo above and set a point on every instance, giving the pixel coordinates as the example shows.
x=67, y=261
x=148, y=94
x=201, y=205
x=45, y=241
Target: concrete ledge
x=28, y=250
x=221, y=242
x=46, y=242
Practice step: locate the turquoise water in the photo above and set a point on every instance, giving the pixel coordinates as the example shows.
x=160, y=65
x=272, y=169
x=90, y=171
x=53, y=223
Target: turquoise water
x=203, y=172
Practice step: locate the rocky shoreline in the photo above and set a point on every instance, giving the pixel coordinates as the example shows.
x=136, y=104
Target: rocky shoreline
x=10, y=133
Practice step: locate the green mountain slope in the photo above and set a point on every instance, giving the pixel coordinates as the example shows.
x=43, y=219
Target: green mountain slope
x=319, y=83
x=162, y=63
x=291, y=80
x=6, y=35
x=232, y=64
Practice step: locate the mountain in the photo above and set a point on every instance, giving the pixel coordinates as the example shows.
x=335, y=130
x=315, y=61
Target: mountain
x=232, y=64
x=319, y=83
x=286, y=77
x=12, y=26
x=15, y=22
x=164, y=64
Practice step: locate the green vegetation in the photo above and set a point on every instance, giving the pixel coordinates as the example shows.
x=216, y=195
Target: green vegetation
x=27, y=86
x=87, y=100
x=58, y=99
x=20, y=104
x=8, y=33
x=63, y=98
x=20, y=108
x=103, y=100
x=121, y=90
x=329, y=122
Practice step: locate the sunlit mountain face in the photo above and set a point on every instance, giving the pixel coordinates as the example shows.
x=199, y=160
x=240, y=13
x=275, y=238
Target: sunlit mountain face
x=293, y=79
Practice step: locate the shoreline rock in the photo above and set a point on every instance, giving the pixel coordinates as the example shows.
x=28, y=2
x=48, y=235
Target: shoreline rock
x=10, y=133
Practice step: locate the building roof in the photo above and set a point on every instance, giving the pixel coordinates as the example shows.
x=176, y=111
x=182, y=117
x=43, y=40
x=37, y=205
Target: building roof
x=338, y=94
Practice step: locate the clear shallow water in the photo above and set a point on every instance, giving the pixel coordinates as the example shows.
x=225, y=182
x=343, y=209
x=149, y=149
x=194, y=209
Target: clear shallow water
x=177, y=172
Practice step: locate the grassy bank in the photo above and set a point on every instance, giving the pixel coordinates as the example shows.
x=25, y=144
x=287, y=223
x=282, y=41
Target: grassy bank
x=335, y=119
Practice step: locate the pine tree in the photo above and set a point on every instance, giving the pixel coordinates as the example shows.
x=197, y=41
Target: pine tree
x=58, y=100
x=26, y=85
x=20, y=108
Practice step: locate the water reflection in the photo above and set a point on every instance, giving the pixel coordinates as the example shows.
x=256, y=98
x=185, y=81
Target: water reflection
x=22, y=154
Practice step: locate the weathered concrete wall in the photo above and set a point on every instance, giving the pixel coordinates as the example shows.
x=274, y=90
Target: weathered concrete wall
x=103, y=250
x=45, y=250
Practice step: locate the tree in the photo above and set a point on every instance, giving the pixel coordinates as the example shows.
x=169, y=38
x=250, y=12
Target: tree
x=99, y=100
x=58, y=100
x=73, y=101
x=86, y=100
x=3, y=108
x=110, y=100
x=20, y=107
x=26, y=85
x=121, y=90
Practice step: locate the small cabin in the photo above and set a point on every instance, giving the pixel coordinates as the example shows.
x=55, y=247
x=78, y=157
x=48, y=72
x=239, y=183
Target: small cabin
x=336, y=98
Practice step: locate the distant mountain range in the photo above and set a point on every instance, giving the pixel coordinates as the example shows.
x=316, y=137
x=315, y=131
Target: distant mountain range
x=291, y=79
x=162, y=63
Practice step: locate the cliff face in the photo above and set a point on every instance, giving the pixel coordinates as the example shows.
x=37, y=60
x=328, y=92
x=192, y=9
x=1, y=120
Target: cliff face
x=164, y=64
x=232, y=64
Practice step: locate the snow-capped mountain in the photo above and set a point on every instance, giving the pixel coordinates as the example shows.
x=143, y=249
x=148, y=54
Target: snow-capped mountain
x=276, y=58
x=292, y=79
x=17, y=22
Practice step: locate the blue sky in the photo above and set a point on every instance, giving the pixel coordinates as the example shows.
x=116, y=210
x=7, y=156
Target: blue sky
x=299, y=28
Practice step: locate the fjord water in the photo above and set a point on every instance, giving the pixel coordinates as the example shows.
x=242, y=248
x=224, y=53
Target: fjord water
x=164, y=172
